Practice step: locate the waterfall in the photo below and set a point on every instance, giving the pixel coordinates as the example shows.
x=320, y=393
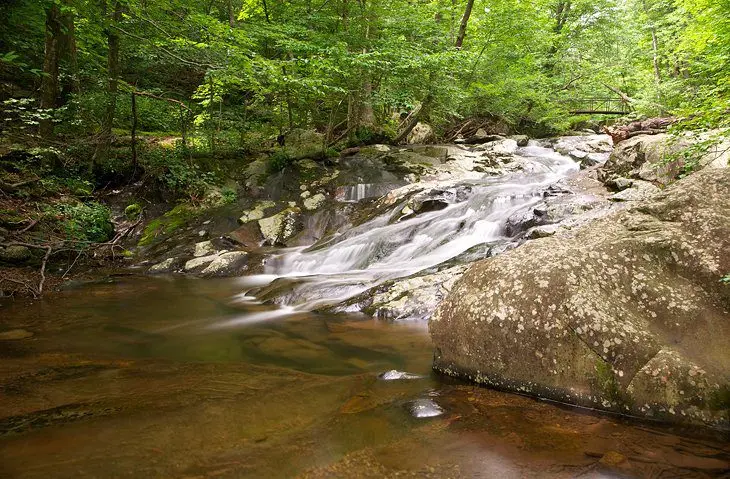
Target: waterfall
x=384, y=249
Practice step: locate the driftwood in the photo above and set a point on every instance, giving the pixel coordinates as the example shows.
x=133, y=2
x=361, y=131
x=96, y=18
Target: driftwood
x=652, y=126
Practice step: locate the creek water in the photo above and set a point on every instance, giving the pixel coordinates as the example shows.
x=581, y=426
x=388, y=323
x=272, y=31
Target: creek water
x=470, y=212
x=136, y=376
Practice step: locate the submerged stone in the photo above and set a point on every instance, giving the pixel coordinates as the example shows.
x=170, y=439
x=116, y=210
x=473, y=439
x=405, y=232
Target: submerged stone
x=425, y=408
x=395, y=375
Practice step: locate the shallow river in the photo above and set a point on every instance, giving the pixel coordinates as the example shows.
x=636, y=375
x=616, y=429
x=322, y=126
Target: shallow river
x=142, y=377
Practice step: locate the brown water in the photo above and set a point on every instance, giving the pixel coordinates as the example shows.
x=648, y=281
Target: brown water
x=145, y=377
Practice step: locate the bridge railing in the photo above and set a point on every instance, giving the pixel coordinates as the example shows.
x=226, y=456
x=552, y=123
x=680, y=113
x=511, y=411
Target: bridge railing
x=598, y=106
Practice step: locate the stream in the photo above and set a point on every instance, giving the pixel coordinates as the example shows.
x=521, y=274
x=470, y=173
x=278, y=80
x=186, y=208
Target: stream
x=141, y=376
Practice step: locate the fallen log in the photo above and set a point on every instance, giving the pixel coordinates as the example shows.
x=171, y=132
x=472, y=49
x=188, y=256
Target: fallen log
x=652, y=126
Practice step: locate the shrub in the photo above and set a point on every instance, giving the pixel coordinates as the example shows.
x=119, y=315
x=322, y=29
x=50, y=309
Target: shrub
x=85, y=221
x=278, y=161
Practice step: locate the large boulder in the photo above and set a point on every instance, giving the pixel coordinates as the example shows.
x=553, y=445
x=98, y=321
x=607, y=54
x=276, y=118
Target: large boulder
x=646, y=157
x=662, y=158
x=281, y=227
x=627, y=314
x=422, y=133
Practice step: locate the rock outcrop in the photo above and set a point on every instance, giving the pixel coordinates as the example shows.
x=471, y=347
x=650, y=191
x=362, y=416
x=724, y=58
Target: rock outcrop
x=626, y=314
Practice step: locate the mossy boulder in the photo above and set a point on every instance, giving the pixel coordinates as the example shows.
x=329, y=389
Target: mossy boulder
x=15, y=254
x=627, y=314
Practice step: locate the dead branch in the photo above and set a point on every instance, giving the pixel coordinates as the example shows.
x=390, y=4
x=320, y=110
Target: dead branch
x=43, y=269
x=156, y=97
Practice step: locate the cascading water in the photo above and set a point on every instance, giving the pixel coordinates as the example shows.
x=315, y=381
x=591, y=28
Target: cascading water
x=389, y=246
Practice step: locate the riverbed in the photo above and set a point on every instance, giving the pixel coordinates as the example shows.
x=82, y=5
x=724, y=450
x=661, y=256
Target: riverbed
x=160, y=377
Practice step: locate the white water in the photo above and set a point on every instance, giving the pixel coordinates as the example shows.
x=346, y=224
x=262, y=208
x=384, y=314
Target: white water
x=380, y=249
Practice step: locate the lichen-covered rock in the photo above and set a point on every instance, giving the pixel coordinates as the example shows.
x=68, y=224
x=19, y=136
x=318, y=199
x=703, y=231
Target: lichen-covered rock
x=277, y=229
x=628, y=314
x=257, y=212
x=645, y=157
x=196, y=265
x=226, y=264
x=166, y=266
x=313, y=202
x=204, y=248
x=15, y=254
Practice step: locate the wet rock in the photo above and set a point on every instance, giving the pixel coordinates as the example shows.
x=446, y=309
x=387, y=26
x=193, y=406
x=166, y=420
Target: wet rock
x=277, y=229
x=257, y=212
x=433, y=199
x=593, y=159
x=522, y=140
x=227, y=264
x=374, y=150
x=578, y=155
x=626, y=314
x=167, y=266
x=395, y=375
x=197, y=265
x=501, y=148
x=613, y=459
x=424, y=408
x=15, y=334
x=412, y=298
x=15, y=254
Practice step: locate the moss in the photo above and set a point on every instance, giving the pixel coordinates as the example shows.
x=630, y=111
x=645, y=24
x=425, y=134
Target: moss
x=606, y=381
x=167, y=224
x=720, y=399
x=133, y=211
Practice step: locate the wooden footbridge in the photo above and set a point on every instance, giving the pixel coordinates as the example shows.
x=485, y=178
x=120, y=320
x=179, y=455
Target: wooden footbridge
x=598, y=106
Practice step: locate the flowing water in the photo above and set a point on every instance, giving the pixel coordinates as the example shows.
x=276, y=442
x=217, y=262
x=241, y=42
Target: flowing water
x=178, y=377
x=385, y=248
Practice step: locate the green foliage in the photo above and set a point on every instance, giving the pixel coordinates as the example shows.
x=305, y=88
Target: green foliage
x=278, y=161
x=176, y=171
x=84, y=221
x=228, y=195
x=725, y=279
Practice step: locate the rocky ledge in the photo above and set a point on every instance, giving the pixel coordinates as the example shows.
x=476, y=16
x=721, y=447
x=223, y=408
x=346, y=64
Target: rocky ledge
x=628, y=313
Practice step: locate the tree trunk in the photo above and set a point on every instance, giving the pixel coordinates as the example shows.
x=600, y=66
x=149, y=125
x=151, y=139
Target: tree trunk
x=49, y=83
x=655, y=56
x=464, y=23
x=231, y=14
x=134, y=133
x=104, y=145
x=266, y=11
